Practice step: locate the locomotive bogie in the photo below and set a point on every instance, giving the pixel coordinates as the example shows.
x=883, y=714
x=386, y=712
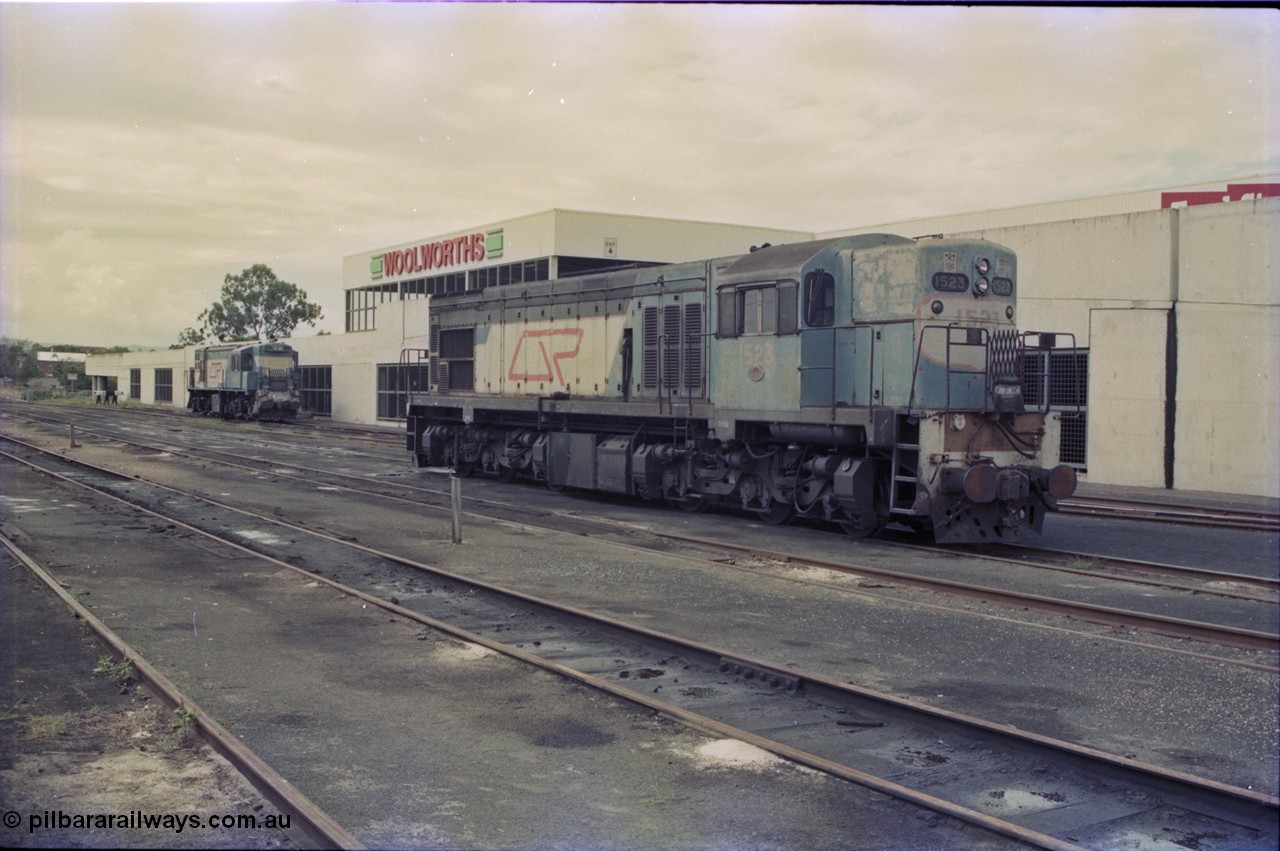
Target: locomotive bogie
x=858, y=381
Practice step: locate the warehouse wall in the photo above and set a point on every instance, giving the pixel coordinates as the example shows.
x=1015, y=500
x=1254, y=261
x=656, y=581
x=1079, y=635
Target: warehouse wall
x=1180, y=310
x=355, y=356
x=1228, y=331
x=118, y=365
x=1112, y=282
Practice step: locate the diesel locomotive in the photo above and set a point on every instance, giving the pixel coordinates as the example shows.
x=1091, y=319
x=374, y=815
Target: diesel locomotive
x=250, y=381
x=859, y=381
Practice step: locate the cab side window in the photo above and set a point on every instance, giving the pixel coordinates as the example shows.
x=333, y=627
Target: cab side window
x=757, y=309
x=819, y=299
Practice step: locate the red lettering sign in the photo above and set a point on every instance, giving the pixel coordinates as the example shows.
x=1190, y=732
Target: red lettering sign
x=553, y=346
x=1234, y=192
x=431, y=255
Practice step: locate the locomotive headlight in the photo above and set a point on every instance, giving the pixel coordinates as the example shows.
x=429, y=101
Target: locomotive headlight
x=984, y=266
x=1008, y=312
x=936, y=307
x=982, y=286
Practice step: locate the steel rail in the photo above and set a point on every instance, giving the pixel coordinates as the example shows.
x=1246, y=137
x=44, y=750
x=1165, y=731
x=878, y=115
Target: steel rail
x=697, y=720
x=314, y=827
x=1161, y=512
x=692, y=719
x=1221, y=635
x=1153, y=511
x=387, y=436
x=1153, y=568
x=1246, y=639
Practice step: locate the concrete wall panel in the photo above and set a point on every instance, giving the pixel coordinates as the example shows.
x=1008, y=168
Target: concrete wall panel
x=1109, y=279
x=1228, y=253
x=1228, y=399
x=1068, y=269
x=1126, y=397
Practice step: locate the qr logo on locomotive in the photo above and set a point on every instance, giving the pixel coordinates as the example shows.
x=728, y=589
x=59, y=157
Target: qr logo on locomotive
x=552, y=346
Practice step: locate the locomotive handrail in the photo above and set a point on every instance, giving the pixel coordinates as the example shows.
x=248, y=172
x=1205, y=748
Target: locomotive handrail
x=1051, y=338
x=984, y=342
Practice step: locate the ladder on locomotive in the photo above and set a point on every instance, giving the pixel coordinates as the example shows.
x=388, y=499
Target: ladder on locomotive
x=904, y=466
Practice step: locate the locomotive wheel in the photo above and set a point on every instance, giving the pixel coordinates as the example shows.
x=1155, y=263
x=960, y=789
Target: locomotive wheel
x=464, y=469
x=776, y=514
x=506, y=475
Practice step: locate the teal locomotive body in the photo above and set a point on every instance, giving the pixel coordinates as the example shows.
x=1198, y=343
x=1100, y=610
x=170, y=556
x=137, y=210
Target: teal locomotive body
x=859, y=381
x=252, y=381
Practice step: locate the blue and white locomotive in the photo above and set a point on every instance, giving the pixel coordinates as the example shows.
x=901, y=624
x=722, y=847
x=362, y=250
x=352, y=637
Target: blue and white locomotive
x=252, y=381
x=861, y=381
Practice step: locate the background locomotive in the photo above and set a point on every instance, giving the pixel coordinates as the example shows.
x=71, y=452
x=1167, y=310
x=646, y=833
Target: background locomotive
x=859, y=380
x=256, y=381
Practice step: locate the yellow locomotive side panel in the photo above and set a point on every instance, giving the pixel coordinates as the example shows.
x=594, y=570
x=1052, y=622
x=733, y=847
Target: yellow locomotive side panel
x=574, y=355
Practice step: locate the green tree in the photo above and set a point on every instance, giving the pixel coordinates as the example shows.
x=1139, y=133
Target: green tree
x=18, y=359
x=256, y=305
x=189, y=337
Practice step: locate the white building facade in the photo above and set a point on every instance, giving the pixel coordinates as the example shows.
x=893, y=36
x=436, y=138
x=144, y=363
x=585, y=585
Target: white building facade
x=1172, y=297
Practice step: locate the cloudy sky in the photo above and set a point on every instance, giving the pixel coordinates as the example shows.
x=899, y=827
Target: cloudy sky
x=150, y=150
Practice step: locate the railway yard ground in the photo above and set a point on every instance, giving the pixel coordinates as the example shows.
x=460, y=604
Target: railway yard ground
x=584, y=672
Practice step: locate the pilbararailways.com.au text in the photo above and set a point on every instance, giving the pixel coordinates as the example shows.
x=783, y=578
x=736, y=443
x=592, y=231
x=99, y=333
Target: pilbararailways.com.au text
x=138, y=820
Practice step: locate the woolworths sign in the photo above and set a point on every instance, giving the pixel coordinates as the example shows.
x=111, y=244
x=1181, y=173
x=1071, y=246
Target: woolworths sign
x=439, y=255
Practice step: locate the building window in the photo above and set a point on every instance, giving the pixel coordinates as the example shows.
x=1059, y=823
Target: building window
x=362, y=304
x=568, y=267
x=164, y=385
x=509, y=273
x=395, y=382
x=135, y=384
x=316, y=389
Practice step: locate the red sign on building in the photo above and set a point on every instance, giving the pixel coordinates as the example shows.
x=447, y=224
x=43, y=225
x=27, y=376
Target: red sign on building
x=1233, y=192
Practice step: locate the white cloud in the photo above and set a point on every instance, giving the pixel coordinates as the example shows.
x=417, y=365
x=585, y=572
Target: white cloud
x=138, y=172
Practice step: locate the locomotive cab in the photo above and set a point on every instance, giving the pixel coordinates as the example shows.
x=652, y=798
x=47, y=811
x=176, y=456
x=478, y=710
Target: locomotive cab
x=972, y=460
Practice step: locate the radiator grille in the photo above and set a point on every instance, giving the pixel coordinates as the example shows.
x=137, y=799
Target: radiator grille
x=672, y=353
x=1005, y=357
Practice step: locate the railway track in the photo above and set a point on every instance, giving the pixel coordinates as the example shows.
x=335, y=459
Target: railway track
x=1226, y=634
x=310, y=826
x=1032, y=788
x=1240, y=585
x=1188, y=514
x=1165, y=512
x=391, y=437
